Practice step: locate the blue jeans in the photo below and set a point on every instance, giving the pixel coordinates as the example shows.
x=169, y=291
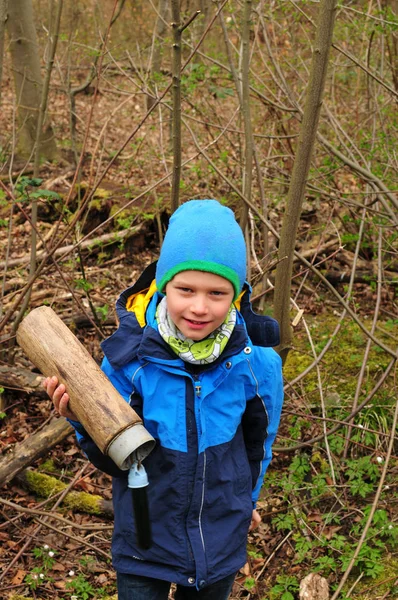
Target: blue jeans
x=133, y=587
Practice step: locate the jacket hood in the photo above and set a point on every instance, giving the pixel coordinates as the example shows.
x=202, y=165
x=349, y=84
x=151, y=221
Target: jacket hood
x=123, y=345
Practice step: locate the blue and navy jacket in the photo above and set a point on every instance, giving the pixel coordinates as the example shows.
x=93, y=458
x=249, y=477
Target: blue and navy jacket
x=214, y=426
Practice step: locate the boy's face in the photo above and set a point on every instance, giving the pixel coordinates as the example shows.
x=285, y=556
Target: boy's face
x=198, y=302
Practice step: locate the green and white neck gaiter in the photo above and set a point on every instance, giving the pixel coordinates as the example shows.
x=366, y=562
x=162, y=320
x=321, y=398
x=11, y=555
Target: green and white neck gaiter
x=197, y=353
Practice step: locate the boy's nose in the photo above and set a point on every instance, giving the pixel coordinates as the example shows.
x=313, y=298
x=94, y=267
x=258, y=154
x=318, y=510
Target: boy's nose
x=199, y=306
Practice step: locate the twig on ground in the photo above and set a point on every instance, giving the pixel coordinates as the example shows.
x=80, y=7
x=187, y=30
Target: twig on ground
x=52, y=515
x=30, y=536
x=75, y=538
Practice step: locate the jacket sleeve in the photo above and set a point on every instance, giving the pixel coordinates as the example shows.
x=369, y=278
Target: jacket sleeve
x=91, y=450
x=261, y=418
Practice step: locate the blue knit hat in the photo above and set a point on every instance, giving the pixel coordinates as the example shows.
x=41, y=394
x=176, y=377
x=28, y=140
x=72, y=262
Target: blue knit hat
x=203, y=235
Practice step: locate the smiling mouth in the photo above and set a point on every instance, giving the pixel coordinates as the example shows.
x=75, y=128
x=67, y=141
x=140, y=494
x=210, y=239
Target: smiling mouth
x=197, y=322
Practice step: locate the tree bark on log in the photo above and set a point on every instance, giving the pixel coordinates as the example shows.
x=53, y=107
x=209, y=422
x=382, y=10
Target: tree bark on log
x=35, y=446
x=18, y=378
x=107, y=417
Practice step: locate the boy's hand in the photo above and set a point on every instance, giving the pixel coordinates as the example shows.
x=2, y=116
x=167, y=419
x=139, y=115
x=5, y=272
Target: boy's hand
x=60, y=398
x=256, y=520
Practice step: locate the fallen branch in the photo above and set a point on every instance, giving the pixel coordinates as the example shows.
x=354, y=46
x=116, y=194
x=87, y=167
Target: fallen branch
x=35, y=446
x=80, y=540
x=335, y=277
x=46, y=486
x=44, y=513
x=99, y=242
x=29, y=537
x=24, y=380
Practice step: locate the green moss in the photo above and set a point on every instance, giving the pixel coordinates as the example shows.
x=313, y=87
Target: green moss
x=128, y=212
x=367, y=588
x=100, y=193
x=343, y=359
x=47, y=486
x=95, y=204
x=44, y=485
x=48, y=465
x=83, y=502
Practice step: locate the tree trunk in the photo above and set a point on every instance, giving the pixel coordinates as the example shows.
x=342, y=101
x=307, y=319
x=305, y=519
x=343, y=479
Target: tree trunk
x=291, y=218
x=28, y=83
x=245, y=107
x=37, y=155
x=3, y=19
x=176, y=92
x=158, y=36
x=32, y=448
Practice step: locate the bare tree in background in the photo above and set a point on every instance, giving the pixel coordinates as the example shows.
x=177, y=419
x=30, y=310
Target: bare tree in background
x=301, y=167
x=176, y=93
x=28, y=82
x=157, y=40
x=245, y=107
x=3, y=19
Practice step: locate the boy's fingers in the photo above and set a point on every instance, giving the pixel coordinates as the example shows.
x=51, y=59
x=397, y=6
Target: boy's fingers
x=50, y=384
x=59, y=392
x=256, y=520
x=63, y=405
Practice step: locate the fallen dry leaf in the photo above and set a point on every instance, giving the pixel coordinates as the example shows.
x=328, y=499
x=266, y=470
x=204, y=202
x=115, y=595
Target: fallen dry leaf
x=18, y=577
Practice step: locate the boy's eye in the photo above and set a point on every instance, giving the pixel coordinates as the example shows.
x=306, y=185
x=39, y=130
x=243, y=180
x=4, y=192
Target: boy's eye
x=217, y=293
x=185, y=290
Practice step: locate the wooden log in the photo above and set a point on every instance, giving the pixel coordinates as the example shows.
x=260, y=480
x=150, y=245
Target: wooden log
x=94, y=244
x=46, y=486
x=35, y=446
x=23, y=380
x=109, y=420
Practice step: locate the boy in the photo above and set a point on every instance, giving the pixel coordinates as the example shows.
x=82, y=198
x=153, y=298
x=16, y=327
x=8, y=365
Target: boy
x=192, y=359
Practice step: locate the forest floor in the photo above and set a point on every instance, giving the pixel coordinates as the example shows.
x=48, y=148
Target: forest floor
x=45, y=558
x=60, y=561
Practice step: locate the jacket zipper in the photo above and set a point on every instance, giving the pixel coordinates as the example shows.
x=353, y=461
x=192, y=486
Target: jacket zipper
x=203, y=501
x=198, y=391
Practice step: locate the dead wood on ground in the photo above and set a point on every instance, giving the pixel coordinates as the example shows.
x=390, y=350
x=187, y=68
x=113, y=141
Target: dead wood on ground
x=46, y=486
x=35, y=446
